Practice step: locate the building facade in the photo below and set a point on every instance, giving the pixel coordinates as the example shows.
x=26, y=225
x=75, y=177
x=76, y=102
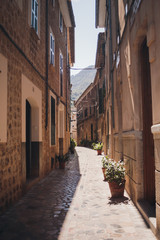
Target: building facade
x=86, y=121
x=132, y=102
x=90, y=105
x=36, y=51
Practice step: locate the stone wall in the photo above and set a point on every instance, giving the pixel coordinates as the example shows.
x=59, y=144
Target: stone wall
x=25, y=54
x=136, y=24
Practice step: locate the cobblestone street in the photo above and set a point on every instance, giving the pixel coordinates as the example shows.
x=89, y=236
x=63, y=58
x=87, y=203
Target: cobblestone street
x=74, y=204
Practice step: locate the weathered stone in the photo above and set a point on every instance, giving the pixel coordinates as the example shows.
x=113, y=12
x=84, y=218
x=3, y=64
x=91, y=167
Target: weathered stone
x=27, y=57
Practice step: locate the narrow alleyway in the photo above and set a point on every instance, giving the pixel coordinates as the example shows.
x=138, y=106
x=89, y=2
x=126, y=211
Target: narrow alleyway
x=74, y=204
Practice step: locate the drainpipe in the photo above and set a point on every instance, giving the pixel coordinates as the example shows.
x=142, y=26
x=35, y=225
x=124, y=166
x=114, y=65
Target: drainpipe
x=46, y=123
x=111, y=63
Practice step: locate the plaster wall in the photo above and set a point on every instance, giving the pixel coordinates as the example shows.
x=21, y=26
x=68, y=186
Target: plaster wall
x=34, y=95
x=144, y=25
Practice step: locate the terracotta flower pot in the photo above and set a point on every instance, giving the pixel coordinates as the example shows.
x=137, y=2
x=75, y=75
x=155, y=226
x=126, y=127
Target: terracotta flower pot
x=99, y=151
x=62, y=165
x=116, y=189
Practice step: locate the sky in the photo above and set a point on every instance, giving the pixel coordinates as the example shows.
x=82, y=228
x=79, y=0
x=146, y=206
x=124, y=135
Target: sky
x=86, y=34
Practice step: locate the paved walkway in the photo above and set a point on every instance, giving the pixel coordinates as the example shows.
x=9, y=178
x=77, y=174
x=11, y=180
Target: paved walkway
x=74, y=204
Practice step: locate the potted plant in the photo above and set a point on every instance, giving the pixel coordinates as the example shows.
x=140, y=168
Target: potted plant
x=73, y=144
x=115, y=176
x=62, y=160
x=105, y=161
x=98, y=146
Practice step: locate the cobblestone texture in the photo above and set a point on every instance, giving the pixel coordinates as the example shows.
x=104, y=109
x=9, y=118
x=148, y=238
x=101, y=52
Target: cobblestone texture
x=74, y=204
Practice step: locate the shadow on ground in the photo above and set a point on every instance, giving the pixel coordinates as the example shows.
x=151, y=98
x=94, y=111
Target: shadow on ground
x=40, y=214
x=120, y=200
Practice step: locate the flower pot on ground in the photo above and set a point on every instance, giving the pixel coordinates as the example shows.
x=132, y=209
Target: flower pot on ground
x=98, y=146
x=116, y=189
x=62, y=161
x=99, y=151
x=115, y=176
x=73, y=144
x=62, y=165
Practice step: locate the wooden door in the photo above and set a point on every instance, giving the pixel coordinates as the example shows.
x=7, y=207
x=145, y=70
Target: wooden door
x=148, y=143
x=28, y=139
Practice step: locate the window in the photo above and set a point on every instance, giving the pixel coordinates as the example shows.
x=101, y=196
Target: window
x=61, y=123
x=91, y=131
x=34, y=15
x=53, y=3
x=53, y=135
x=90, y=110
x=86, y=112
x=104, y=88
x=61, y=74
x=118, y=59
x=101, y=107
x=60, y=21
x=94, y=109
x=126, y=9
x=52, y=48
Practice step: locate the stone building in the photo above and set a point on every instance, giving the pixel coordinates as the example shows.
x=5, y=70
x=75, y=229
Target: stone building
x=36, y=51
x=86, y=115
x=90, y=105
x=100, y=83
x=132, y=97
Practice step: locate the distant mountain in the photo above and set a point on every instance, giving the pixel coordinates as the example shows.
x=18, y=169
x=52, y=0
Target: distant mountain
x=81, y=81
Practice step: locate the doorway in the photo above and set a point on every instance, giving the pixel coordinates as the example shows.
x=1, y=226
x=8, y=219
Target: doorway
x=32, y=146
x=28, y=139
x=148, y=142
x=91, y=132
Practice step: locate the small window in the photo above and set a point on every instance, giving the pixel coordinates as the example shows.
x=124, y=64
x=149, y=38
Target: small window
x=52, y=49
x=53, y=122
x=91, y=131
x=60, y=21
x=61, y=73
x=101, y=104
x=86, y=112
x=34, y=15
x=126, y=9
